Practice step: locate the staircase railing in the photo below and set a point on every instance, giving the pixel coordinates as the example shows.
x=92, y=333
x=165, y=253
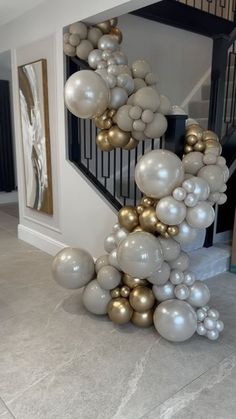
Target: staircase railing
x=224, y=9
x=112, y=173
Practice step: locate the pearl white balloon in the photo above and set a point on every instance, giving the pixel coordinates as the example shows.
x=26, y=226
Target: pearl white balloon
x=201, y=330
x=113, y=261
x=219, y=325
x=158, y=172
x=120, y=235
x=213, y=175
x=140, y=69
x=186, y=233
x=109, y=243
x=189, y=278
x=118, y=97
x=161, y=276
x=95, y=298
x=116, y=227
x=120, y=57
x=169, y=211
x=182, y=292
x=118, y=69
x=191, y=200
x=100, y=262
x=123, y=119
x=86, y=94
x=139, y=254
x=213, y=314
x=109, y=79
x=170, y=249
x=199, y=294
x=94, y=58
x=108, y=277
x=176, y=277
x=179, y=194
x=102, y=65
x=157, y=127
x=193, y=162
x=164, y=292
x=209, y=323
x=175, y=320
x=108, y=42
x=201, y=314
x=73, y=268
x=200, y=216
x=181, y=262
x=212, y=334
x=147, y=98
x=125, y=81
x=83, y=49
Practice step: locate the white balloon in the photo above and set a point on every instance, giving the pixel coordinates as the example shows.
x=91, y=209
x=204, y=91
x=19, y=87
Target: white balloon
x=181, y=262
x=179, y=193
x=186, y=233
x=164, y=292
x=170, y=212
x=95, y=298
x=199, y=294
x=200, y=216
x=161, y=276
x=176, y=277
x=170, y=249
x=108, y=42
x=182, y=292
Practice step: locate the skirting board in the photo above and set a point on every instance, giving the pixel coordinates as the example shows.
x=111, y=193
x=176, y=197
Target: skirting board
x=39, y=240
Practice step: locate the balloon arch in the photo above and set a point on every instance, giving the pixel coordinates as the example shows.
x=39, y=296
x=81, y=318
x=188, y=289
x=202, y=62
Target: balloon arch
x=144, y=275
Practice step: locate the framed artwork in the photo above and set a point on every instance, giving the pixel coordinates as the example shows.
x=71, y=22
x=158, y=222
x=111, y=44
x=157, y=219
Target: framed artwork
x=33, y=90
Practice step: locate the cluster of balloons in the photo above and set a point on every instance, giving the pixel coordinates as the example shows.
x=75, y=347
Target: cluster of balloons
x=121, y=99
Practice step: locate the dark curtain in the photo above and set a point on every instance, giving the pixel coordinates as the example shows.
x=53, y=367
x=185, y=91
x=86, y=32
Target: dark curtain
x=7, y=178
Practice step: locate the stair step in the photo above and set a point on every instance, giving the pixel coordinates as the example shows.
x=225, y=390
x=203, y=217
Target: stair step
x=206, y=88
x=200, y=109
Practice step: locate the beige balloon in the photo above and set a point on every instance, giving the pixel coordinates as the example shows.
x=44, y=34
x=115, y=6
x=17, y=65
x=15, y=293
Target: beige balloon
x=83, y=49
x=122, y=118
x=95, y=298
x=157, y=127
x=170, y=211
x=147, y=98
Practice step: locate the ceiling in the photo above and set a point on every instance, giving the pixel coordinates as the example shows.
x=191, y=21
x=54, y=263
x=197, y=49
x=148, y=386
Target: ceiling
x=11, y=9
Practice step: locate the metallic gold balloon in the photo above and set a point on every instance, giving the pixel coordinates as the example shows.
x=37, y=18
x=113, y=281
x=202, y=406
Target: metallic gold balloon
x=141, y=299
x=105, y=27
x=138, y=228
x=148, y=202
x=133, y=282
x=191, y=139
x=209, y=135
x=131, y=144
x=117, y=137
x=119, y=310
x=166, y=235
x=115, y=293
x=128, y=218
x=173, y=230
x=144, y=319
x=108, y=123
x=188, y=149
x=114, y=22
x=195, y=130
x=199, y=146
x=111, y=113
x=116, y=32
x=125, y=291
x=148, y=220
x=103, y=142
x=161, y=227
x=140, y=209
x=212, y=144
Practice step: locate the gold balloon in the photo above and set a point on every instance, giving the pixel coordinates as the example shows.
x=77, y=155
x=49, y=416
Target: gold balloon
x=191, y=139
x=114, y=22
x=173, y=230
x=115, y=293
x=144, y=319
x=199, y=146
x=141, y=299
x=148, y=220
x=209, y=135
x=111, y=113
x=128, y=218
x=117, y=137
x=131, y=144
x=133, y=282
x=195, y=130
x=166, y=235
x=138, y=228
x=140, y=209
x=108, y=123
x=147, y=202
x=125, y=291
x=105, y=27
x=188, y=149
x=161, y=227
x=119, y=310
x=103, y=142
x=116, y=32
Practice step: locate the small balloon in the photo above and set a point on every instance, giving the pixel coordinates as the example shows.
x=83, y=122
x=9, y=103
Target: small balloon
x=95, y=298
x=164, y=292
x=119, y=310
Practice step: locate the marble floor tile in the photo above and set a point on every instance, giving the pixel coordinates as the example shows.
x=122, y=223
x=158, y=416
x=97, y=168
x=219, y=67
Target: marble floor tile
x=7, y=415
x=210, y=396
x=3, y=408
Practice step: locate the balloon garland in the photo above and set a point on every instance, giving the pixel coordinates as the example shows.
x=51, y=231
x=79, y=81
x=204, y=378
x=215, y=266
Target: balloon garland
x=122, y=100
x=144, y=276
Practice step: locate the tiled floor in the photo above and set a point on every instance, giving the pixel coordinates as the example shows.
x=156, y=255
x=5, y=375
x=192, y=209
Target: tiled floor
x=59, y=362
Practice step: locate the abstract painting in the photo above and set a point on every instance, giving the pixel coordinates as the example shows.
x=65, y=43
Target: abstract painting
x=33, y=91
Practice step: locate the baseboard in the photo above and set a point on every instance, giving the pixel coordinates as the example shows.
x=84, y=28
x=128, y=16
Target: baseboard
x=39, y=240
x=8, y=197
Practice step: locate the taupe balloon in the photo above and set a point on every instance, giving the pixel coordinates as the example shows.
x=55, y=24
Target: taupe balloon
x=175, y=320
x=123, y=119
x=161, y=276
x=147, y=98
x=94, y=34
x=158, y=172
x=157, y=127
x=95, y=298
x=139, y=255
x=164, y=292
x=200, y=216
x=214, y=176
x=86, y=94
x=69, y=50
x=165, y=105
x=100, y=262
x=109, y=243
x=186, y=233
x=140, y=68
x=108, y=277
x=193, y=162
x=73, y=268
x=74, y=39
x=144, y=319
x=181, y=262
x=199, y=294
x=120, y=311
x=170, y=211
x=141, y=299
x=170, y=249
x=138, y=84
x=83, y=49
x=79, y=28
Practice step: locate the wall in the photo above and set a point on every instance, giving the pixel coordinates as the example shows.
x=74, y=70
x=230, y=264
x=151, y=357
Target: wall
x=81, y=216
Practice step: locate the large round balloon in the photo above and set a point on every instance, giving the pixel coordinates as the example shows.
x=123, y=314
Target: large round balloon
x=175, y=320
x=200, y=216
x=186, y=233
x=139, y=254
x=73, y=268
x=86, y=94
x=158, y=172
x=95, y=298
x=169, y=211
